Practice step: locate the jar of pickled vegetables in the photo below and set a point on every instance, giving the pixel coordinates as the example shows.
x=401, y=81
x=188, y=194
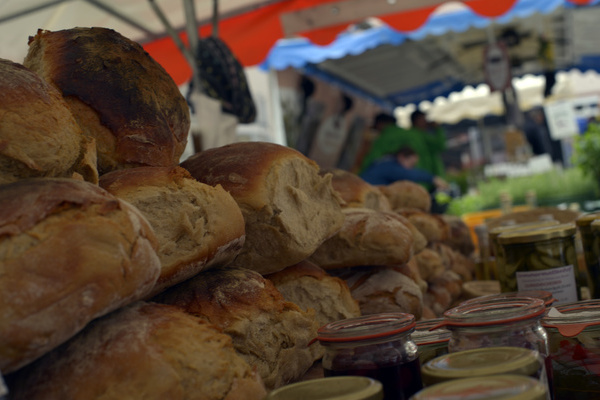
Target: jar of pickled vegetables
x=430, y=343
x=538, y=294
x=331, y=388
x=540, y=259
x=377, y=346
x=574, y=349
x=497, y=322
x=589, y=231
x=497, y=387
x=485, y=361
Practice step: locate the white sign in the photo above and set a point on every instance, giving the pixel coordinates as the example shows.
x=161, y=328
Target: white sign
x=562, y=121
x=496, y=66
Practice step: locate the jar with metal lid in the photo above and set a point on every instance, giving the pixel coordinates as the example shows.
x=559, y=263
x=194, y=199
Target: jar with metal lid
x=541, y=259
x=430, y=343
x=574, y=349
x=377, y=346
x=331, y=388
x=497, y=322
x=484, y=362
x=589, y=231
x=497, y=387
x=538, y=294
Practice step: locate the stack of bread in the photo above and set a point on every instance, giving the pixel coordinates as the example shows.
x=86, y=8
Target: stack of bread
x=127, y=274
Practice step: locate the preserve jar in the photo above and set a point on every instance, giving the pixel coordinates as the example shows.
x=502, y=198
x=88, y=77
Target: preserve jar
x=497, y=322
x=430, y=343
x=378, y=346
x=484, y=362
x=540, y=259
x=589, y=231
x=331, y=388
x=496, y=387
x=574, y=349
x=544, y=295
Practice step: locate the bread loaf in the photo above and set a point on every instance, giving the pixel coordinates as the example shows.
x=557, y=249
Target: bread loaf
x=38, y=134
x=310, y=287
x=367, y=237
x=69, y=252
x=460, y=237
x=270, y=333
x=432, y=226
x=118, y=94
x=407, y=194
x=289, y=209
x=144, y=351
x=198, y=226
x=356, y=192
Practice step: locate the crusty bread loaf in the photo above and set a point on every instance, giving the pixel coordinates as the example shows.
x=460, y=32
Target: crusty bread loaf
x=432, y=226
x=402, y=194
x=419, y=240
x=270, y=333
x=38, y=134
x=289, y=209
x=383, y=289
x=455, y=261
x=430, y=263
x=198, y=226
x=144, y=351
x=443, y=291
x=367, y=237
x=118, y=94
x=310, y=287
x=69, y=252
x=459, y=238
x=356, y=192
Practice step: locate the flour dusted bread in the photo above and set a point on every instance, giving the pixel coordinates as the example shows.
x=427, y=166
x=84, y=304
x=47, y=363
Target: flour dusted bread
x=270, y=333
x=118, y=94
x=311, y=287
x=38, y=134
x=144, y=351
x=367, y=237
x=356, y=192
x=69, y=252
x=289, y=209
x=402, y=194
x=198, y=226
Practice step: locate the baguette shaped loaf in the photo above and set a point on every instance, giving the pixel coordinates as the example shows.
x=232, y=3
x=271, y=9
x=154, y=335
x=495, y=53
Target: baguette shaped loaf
x=270, y=333
x=118, y=94
x=38, y=135
x=288, y=208
x=367, y=237
x=145, y=351
x=69, y=252
x=198, y=226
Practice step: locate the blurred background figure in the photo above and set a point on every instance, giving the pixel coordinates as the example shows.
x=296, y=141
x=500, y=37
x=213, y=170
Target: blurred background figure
x=538, y=135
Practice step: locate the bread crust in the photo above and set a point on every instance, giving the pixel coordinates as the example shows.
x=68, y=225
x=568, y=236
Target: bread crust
x=356, y=192
x=409, y=194
x=69, y=252
x=118, y=94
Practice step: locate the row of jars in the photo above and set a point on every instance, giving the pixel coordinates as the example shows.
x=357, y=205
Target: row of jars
x=519, y=338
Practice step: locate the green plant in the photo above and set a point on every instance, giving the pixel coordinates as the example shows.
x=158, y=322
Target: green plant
x=586, y=151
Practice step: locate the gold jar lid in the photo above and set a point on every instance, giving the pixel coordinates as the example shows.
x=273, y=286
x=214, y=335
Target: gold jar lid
x=495, y=232
x=537, y=234
x=587, y=219
x=330, y=388
x=497, y=387
x=481, y=362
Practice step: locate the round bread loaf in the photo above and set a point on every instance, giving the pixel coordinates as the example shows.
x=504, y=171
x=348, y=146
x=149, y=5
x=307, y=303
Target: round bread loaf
x=367, y=237
x=118, y=94
x=38, y=134
x=198, y=226
x=459, y=238
x=69, y=252
x=429, y=263
x=432, y=226
x=289, y=209
x=409, y=194
x=270, y=333
x=356, y=192
x=310, y=287
x=144, y=351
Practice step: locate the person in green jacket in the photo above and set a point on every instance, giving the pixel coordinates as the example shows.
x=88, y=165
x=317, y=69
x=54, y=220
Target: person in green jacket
x=425, y=138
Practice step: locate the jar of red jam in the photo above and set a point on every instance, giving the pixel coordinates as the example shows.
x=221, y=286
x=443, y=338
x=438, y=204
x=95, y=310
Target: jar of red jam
x=496, y=322
x=574, y=349
x=377, y=346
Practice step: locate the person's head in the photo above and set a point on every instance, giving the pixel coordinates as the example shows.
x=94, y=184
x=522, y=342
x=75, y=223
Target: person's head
x=382, y=120
x=407, y=157
x=418, y=119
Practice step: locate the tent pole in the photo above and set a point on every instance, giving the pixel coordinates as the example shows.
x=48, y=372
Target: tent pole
x=191, y=24
x=215, y=19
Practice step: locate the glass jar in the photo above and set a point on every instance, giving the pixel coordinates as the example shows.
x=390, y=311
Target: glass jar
x=497, y=322
x=332, y=388
x=540, y=259
x=574, y=349
x=544, y=295
x=430, y=344
x=377, y=346
x=497, y=387
x=484, y=362
x=589, y=231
